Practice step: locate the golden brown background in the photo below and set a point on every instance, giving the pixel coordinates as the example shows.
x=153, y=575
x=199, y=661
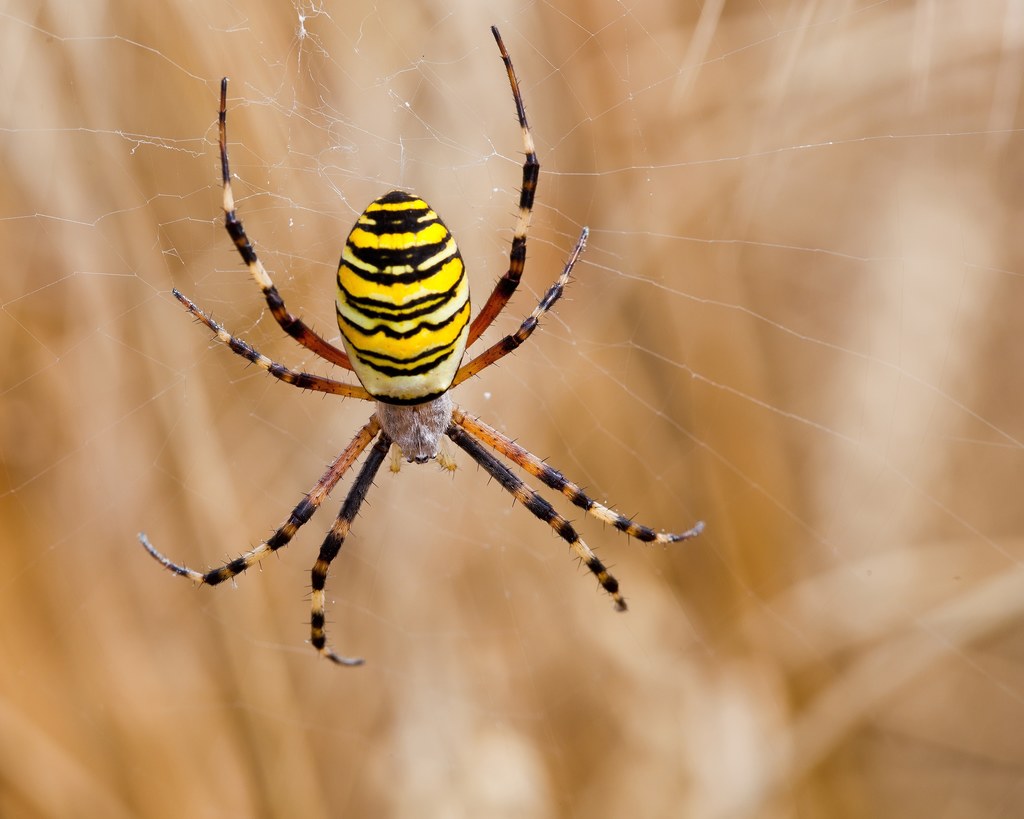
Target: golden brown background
x=798, y=319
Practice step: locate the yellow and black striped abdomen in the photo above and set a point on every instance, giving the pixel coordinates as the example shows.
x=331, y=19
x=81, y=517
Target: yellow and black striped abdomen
x=403, y=300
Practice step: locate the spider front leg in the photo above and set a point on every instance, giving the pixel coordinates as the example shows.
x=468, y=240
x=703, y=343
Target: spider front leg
x=556, y=480
x=332, y=545
x=540, y=508
x=284, y=534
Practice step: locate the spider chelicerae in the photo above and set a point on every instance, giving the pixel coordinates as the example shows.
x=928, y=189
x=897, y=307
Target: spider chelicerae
x=403, y=311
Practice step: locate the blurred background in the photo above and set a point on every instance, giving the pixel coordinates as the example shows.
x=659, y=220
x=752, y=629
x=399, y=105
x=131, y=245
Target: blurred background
x=797, y=319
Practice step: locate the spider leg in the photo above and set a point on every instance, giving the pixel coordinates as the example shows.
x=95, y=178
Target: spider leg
x=556, y=480
x=539, y=507
x=507, y=284
x=282, y=537
x=332, y=545
x=509, y=343
x=291, y=324
x=305, y=381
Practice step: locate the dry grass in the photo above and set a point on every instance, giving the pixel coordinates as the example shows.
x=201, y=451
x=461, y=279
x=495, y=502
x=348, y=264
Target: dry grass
x=798, y=319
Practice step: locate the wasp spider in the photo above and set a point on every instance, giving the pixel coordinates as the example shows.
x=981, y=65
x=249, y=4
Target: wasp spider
x=403, y=311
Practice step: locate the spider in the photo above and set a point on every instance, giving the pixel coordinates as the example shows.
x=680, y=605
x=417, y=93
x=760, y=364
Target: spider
x=403, y=312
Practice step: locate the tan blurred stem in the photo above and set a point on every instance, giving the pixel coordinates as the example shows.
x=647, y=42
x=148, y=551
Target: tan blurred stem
x=947, y=630
x=46, y=776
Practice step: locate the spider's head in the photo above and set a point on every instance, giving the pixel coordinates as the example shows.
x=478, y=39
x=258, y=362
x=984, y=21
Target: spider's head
x=417, y=429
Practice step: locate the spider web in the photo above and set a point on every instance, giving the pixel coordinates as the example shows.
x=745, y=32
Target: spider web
x=796, y=320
